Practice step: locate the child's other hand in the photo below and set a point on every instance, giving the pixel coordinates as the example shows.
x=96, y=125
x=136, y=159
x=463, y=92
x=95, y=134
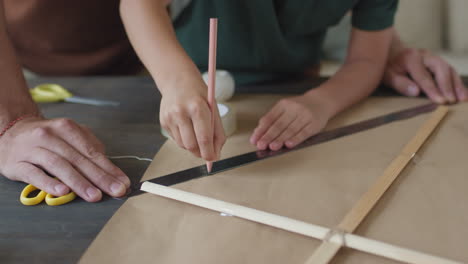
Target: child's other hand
x=185, y=114
x=291, y=121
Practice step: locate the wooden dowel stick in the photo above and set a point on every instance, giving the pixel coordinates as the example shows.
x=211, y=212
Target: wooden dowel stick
x=296, y=226
x=212, y=75
x=326, y=251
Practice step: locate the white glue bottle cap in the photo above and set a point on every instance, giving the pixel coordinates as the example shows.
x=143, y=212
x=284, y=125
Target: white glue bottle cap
x=225, y=85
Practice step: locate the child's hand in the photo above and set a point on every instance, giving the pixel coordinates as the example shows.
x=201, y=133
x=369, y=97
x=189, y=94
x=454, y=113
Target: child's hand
x=291, y=121
x=185, y=114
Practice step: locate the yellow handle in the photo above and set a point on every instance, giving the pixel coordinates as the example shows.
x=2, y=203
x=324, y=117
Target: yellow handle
x=33, y=200
x=49, y=93
x=41, y=196
x=53, y=201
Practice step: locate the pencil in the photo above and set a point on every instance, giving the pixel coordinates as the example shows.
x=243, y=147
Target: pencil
x=212, y=76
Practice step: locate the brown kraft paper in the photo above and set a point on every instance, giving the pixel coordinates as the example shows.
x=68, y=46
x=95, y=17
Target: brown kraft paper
x=426, y=209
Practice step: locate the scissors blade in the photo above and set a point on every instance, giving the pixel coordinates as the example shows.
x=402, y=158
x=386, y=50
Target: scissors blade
x=91, y=101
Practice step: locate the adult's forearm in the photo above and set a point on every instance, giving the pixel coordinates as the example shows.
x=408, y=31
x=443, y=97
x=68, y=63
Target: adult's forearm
x=152, y=35
x=15, y=99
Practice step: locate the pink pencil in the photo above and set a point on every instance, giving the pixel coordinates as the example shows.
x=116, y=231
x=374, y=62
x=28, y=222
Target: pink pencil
x=212, y=75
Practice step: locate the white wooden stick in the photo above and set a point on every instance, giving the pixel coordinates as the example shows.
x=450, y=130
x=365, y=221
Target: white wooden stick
x=296, y=226
x=326, y=251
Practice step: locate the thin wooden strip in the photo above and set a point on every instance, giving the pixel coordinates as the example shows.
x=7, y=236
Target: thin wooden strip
x=326, y=251
x=372, y=196
x=296, y=226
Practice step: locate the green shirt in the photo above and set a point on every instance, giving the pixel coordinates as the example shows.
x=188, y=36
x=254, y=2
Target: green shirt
x=261, y=40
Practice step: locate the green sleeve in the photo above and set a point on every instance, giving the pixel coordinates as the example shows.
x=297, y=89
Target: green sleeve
x=374, y=15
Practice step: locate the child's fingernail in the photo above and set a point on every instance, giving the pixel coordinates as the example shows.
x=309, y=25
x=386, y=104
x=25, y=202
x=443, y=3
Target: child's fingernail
x=275, y=146
x=413, y=90
x=261, y=145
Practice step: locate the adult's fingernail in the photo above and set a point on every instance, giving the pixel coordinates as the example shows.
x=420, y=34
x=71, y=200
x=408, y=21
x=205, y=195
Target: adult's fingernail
x=464, y=96
x=125, y=180
x=61, y=188
x=452, y=99
x=439, y=100
x=117, y=188
x=413, y=90
x=92, y=192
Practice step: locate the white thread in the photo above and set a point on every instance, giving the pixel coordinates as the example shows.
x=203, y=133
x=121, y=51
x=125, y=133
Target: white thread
x=129, y=157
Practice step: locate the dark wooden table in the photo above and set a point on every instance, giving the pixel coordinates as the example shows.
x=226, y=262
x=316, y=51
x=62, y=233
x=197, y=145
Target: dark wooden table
x=45, y=234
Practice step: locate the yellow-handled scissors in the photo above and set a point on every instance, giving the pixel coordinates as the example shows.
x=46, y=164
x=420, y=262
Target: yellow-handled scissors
x=41, y=196
x=50, y=93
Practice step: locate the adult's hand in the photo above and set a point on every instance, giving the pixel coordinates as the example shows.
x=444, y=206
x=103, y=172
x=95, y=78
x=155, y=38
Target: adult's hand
x=63, y=149
x=413, y=71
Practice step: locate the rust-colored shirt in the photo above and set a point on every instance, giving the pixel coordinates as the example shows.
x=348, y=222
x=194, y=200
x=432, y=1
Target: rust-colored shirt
x=56, y=37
